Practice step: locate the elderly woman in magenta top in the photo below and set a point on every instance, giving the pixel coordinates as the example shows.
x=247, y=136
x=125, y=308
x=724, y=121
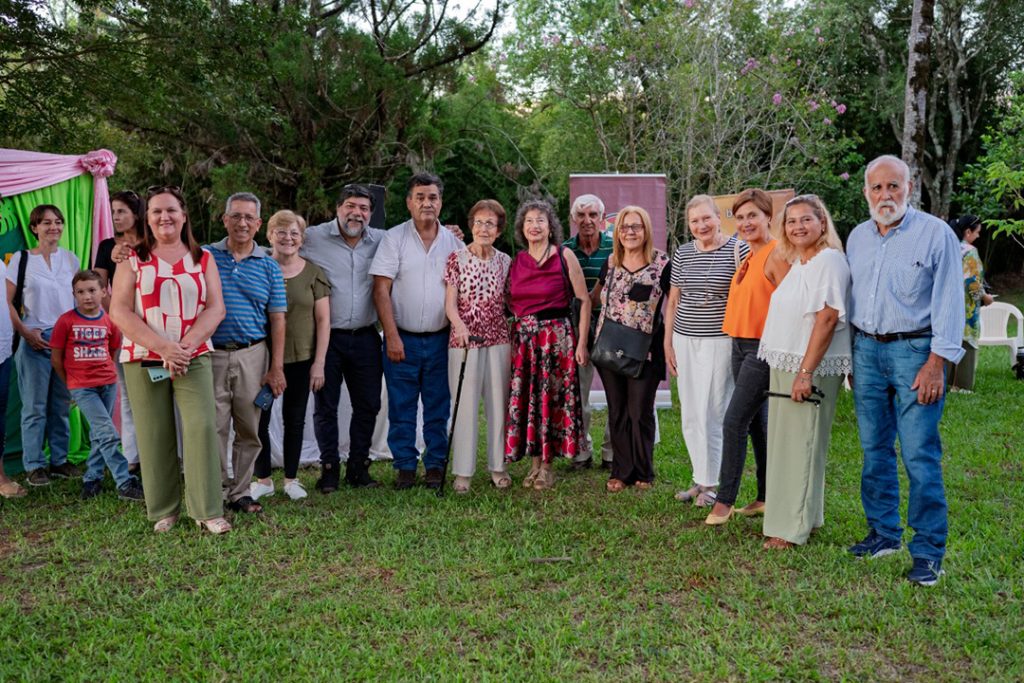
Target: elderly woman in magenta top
x=545, y=413
x=745, y=312
x=806, y=343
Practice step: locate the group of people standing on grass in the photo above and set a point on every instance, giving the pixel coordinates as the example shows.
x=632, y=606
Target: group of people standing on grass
x=759, y=332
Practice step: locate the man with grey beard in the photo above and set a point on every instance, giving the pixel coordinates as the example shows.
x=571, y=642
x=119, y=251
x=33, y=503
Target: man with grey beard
x=344, y=248
x=907, y=313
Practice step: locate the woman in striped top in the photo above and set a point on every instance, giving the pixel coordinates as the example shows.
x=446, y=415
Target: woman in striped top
x=698, y=352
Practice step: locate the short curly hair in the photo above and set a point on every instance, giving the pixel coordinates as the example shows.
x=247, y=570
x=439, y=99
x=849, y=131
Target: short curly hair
x=538, y=205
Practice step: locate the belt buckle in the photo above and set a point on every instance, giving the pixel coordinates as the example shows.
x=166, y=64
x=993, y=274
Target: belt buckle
x=232, y=346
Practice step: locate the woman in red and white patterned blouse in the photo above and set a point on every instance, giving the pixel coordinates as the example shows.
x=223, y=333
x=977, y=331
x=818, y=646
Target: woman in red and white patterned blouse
x=168, y=303
x=477, y=280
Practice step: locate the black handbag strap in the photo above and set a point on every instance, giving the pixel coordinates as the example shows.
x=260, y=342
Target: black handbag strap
x=19, y=289
x=565, y=274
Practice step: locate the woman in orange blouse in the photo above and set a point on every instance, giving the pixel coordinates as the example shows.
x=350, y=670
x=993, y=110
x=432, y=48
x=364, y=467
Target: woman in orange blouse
x=745, y=313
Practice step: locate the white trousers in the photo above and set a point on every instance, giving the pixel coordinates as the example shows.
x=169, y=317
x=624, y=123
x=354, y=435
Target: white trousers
x=488, y=374
x=705, y=385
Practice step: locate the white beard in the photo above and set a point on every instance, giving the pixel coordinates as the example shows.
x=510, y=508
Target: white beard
x=894, y=215
x=350, y=232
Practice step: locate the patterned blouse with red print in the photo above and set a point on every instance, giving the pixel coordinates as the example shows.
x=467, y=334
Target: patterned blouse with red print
x=482, y=286
x=169, y=297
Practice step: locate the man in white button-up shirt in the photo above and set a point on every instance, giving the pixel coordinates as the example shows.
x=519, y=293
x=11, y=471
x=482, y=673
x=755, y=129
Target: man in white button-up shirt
x=409, y=295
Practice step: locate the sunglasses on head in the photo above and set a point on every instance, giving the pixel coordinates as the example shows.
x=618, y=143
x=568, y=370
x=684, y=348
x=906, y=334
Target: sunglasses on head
x=154, y=190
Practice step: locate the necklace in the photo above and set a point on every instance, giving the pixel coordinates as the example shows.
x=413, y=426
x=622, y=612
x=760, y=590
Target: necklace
x=701, y=295
x=543, y=256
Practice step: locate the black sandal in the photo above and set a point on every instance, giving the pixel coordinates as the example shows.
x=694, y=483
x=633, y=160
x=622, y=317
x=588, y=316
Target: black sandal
x=245, y=504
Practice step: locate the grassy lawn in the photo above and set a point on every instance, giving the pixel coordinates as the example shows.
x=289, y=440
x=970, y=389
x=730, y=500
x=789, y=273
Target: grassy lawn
x=404, y=586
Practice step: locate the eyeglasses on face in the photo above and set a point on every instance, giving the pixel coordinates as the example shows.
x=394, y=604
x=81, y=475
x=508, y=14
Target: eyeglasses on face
x=239, y=217
x=487, y=225
x=632, y=227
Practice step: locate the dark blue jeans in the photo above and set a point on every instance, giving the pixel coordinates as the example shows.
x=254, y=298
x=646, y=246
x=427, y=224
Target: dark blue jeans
x=747, y=414
x=423, y=373
x=887, y=408
x=353, y=358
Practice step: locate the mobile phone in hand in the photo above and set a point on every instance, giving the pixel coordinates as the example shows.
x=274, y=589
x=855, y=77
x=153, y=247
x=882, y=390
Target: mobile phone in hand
x=265, y=399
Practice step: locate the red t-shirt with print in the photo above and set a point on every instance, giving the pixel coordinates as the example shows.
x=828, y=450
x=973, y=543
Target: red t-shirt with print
x=89, y=345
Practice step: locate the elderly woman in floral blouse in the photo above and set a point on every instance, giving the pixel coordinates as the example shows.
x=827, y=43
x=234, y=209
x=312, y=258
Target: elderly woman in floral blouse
x=632, y=289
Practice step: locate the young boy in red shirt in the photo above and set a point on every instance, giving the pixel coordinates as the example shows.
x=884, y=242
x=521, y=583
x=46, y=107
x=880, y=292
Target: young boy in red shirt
x=82, y=347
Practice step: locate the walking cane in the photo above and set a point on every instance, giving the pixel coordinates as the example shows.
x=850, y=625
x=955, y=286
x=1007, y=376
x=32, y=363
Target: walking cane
x=455, y=411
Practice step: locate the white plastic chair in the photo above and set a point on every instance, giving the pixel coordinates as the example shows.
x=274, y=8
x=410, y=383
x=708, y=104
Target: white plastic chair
x=995, y=320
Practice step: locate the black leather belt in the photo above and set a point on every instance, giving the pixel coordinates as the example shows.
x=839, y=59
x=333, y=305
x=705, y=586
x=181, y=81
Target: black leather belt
x=358, y=330
x=552, y=314
x=895, y=336
x=238, y=346
x=443, y=330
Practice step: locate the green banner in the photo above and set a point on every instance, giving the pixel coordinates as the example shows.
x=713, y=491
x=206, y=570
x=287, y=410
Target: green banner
x=74, y=199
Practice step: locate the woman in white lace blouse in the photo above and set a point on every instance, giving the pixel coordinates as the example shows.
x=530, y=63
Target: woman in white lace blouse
x=806, y=343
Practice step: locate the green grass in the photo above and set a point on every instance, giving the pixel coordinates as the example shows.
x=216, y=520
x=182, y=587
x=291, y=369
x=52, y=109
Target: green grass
x=404, y=586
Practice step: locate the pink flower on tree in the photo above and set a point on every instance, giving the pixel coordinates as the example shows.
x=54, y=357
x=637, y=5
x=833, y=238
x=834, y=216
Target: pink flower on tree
x=813, y=105
x=844, y=176
x=841, y=109
x=777, y=99
x=827, y=121
x=689, y=3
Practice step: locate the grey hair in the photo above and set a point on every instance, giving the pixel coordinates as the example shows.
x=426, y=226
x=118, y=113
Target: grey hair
x=699, y=199
x=887, y=159
x=554, y=225
x=243, y=197
x=586, y=200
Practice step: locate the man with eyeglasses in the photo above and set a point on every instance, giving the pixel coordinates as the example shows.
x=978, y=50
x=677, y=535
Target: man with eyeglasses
x=409, y=293
x=592, y=247
x=254, y=293
x=344, y=248
x=907, y=313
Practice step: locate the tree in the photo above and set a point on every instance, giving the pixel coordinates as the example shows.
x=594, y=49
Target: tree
x=916, y=91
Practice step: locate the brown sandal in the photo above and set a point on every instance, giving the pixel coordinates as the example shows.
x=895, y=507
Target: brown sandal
x=777, y=544
x=615, y=485
x=545, y=480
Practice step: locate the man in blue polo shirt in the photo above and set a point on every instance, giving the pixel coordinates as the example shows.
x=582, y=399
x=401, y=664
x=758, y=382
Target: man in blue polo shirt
x=253, y=295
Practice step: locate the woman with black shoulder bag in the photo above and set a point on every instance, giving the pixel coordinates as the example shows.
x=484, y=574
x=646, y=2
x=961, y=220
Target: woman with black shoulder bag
x=629, y=351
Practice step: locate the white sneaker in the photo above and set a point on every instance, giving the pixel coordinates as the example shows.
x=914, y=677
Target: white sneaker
x=258, y=490
x=294, y=490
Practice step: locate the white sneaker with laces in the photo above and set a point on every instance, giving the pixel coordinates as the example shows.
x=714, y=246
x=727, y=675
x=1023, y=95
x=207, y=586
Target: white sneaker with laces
x=258, y=490
x=294, y=490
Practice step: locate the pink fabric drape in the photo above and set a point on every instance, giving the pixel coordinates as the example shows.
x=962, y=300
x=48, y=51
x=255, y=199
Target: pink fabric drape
x=22, y=171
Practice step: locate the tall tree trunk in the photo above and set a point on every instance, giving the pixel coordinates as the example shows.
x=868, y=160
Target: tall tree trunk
x=916, y=92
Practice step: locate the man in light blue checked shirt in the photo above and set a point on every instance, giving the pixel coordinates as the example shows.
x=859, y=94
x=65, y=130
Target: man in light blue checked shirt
x=908, y=317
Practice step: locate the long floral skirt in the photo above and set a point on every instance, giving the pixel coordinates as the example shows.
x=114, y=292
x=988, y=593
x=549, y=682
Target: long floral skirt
x=545, y=412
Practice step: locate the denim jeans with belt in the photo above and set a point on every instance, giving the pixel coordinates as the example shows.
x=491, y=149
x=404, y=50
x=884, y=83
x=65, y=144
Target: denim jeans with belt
x=97, y=406
x=423, y=373
x=887, y=408
x=45, y=403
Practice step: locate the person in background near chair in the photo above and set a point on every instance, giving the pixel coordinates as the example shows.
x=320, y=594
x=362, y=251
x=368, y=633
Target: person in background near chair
x=806, y=343
x=167, y=302
x=631, y=288
x=45, y=400
x=698, y=352
x=83, y=343
x=545, y=416
x=960, y=376
x=254, y=295
x=908, y=316
x=344, y=248
x=409, y=293
x=745, y=312
x=8, y=487
x=477, y=282
x=592, y=247
x=307, y=333
x=129, y=227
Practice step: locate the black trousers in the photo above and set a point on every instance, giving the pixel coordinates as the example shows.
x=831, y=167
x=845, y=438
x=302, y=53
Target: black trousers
x=631, y=423
x=747, y=414
x=293, y=414
x=356, y=359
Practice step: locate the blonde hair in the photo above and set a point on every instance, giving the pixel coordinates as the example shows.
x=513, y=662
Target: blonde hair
x=618, y=251
x=699, y=199
x=284, y=218
x=829, y=236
